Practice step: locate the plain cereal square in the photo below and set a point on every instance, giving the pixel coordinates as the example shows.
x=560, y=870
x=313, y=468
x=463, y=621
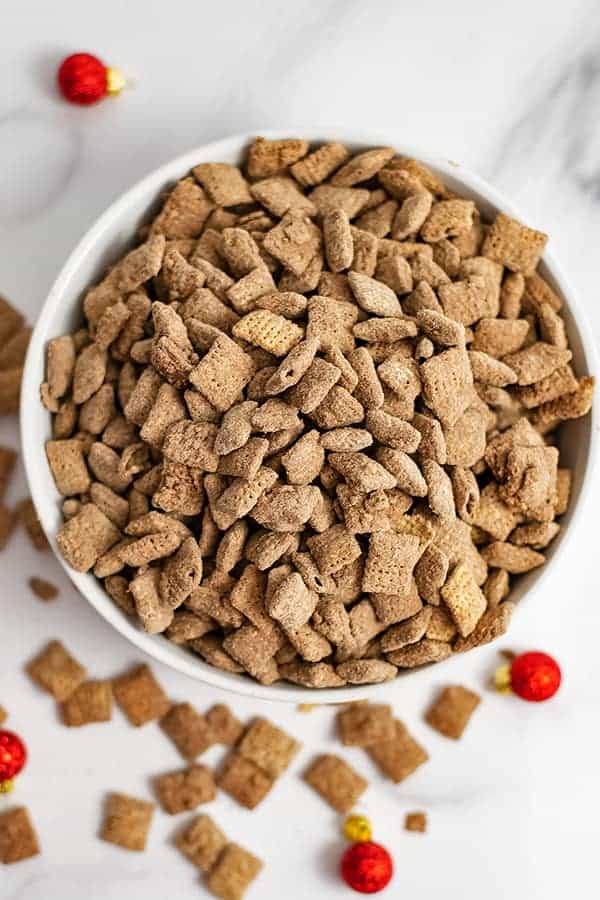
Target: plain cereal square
x=233, y=873
x=244, y=781
x=56, y=671
x=451, y=711
x=140, y=696
x=361, y=725
x=90, y=702
x=18, y=839
x=336, y=781
x=399, y=757
x=185, y=790
x=202, y=841
x=270, y=748
x=189, y=731
x=127, y=822
x=226, y=728
x=416, y=821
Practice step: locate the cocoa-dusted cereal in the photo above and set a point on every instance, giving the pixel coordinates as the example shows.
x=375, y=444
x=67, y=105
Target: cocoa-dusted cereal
x=308, y=428
x=127, y=822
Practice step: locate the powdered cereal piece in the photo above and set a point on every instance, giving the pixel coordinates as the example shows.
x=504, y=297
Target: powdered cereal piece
x=304, y=460
x=127, y=822
x=336, y=781
x=447, y=382
x=202, y=841
x=89, y=373
x=294, y=241
x=280, y=195
x=291, y=603
x=430, y=573
x=347, y=440
x=463, y=598
x=338, y=409
x=421, y=653
x=243, y=780
x=86, y=537
x=403, y=469
x=350, y=200
x=254, y=649
x=224, y=183
x=189, y=731
x=440, y=328
x=377, y=219
x=284, y=303
x=68, y=467
x=267, y=157
x=398, y=757
x=319, y=164
x=140, y=696
x=366, y=671
x=451, y=711
x=317, y=675
x=60, y=365
x=411, y=215
x=185, y=789
x=333, y=549
x=56, y=671
x=18, y=838
x=390, y=562
x=42, y=589
x=568, y=406
x=233, y=873
x=363, y=512
x=226, y=728
x=222, y=373
x=373, y=296
x=496, y=587
x=293, y=367
x=537, y=362
x=441, y=625
x=90, y=702
x=561, y=381
x=514, y=245
x=515, y=560
x=365, y=246
x=362, y=472
x=408, y=632
x=448, y=218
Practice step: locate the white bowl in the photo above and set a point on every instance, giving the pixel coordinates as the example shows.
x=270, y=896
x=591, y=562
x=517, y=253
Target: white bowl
x=105, y=242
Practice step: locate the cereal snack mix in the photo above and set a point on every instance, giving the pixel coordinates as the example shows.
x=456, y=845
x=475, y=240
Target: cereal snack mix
x=127, y=821
x=309, y=431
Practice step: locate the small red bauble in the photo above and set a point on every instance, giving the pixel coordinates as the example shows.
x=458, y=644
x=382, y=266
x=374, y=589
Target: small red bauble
x=13, y=755
x=84, y=79
x=367, y=867
x=535, y=676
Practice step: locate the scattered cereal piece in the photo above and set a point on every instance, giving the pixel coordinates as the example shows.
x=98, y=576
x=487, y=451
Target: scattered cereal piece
x=244, y=781
x=189, y=731
x=202, y=841
x=233, y=873
x=45, y=590
x=90, y=702
x=226, y=728
x=336, y=781
x=56, y=671
x=268, y=747
x=398, y=757
x=451, y=712
x=140, y=696
x=18, y=839
x=416, y=821
x=127, y=822
x=185, y=790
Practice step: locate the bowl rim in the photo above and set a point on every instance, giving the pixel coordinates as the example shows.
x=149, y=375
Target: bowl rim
x=148, y=187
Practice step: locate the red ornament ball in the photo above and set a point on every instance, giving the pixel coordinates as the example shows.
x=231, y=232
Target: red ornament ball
x=535, y=676
x=82, y=79
x=13, y=755
x=367, y=867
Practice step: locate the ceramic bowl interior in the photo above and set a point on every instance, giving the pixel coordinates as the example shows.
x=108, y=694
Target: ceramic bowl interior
x=106, y=241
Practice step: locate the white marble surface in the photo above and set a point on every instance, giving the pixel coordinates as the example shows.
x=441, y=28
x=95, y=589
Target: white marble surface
x=510, y=89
